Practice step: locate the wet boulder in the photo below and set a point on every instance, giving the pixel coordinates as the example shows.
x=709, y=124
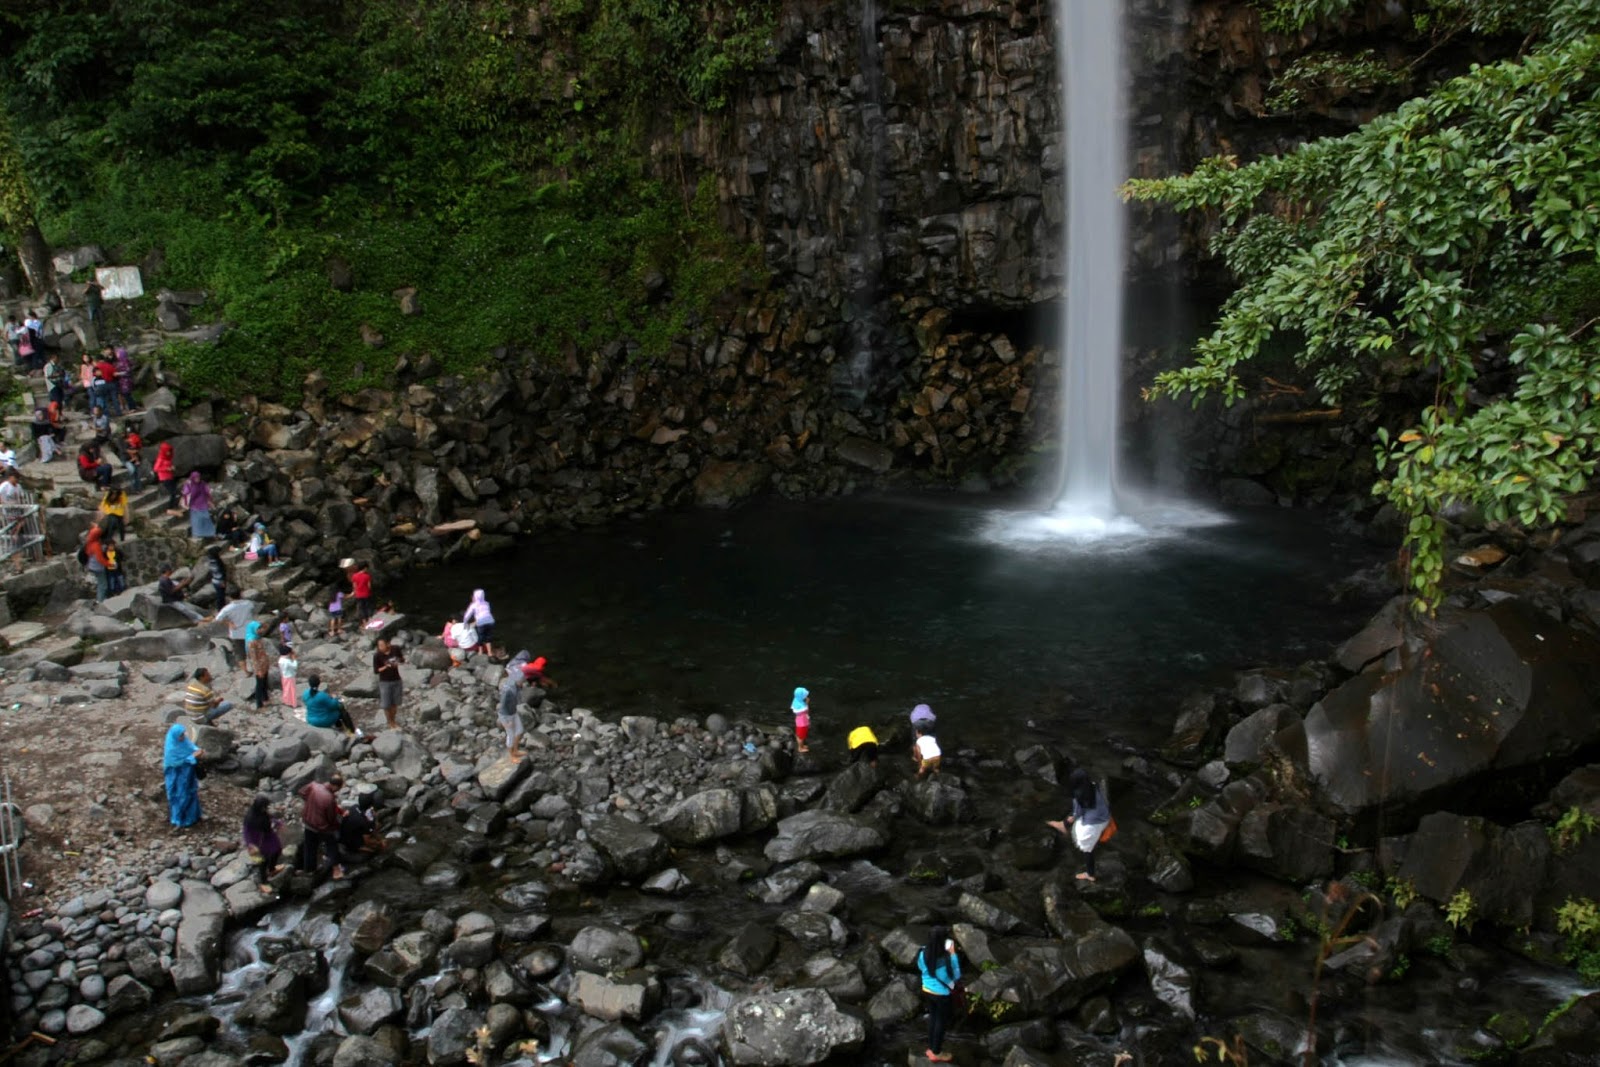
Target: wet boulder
x=612, y=1045
x=749, y=951
x=367, y=926
x=405, y=959
x=1291, y=843
x=278, y=1007
x=786, y=882
x=1501, y=868
x=1244, y=747
x=824, y=835
x=852, y=787
x=452, y=1035
x=198, y=956
x=705, y=816
x=1172, y=982
x=633, y=848
x=1195, y=731
x=629, y=996
x=358, y=1050
x=1492, y=693
x=791, y=1027
x=605, y=948
x=375, y=1006
x=937, y=801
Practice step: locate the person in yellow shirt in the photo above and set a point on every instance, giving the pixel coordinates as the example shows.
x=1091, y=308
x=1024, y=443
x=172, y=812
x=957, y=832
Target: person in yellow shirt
x=863, y=744
x=114, y=506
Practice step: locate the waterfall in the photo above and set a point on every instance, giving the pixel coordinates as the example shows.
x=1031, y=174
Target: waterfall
x=1089, y=49
x=853, y=377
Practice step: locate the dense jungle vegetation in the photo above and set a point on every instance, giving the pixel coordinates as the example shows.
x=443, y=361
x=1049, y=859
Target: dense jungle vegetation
x=489, y=154
x=1448, y=252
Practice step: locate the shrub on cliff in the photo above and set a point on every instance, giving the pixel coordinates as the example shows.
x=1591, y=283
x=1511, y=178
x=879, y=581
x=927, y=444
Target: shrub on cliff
x=1447, y=249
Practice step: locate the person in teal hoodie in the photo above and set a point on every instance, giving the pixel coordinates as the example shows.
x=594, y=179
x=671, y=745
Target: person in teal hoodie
x=941, y=970
x=324, y=709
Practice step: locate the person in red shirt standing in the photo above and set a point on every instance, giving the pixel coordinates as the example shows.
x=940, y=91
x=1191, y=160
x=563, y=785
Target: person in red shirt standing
x=360, y=590
x=321, y=816
x=104, y=391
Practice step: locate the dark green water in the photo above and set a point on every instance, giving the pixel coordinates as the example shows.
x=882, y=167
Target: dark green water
x=876, y=604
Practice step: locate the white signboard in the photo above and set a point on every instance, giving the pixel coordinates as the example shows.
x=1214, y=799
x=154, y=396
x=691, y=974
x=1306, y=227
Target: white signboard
x=119, y=283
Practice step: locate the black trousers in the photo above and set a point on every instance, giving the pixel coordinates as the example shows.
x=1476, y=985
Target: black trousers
x=311, y=849
x=938, y=1019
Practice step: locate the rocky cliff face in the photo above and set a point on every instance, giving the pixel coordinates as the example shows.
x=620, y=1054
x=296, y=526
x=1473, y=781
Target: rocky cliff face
x=901, y=167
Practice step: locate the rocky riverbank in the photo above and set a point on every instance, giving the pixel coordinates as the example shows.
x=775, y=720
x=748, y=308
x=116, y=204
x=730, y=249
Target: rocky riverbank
x=693, y=892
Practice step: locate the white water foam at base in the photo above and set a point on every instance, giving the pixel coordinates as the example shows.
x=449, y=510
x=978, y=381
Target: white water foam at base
x=1137, y=523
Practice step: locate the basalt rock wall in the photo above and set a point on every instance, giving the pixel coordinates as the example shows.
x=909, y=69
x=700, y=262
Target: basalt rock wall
x=901, y=168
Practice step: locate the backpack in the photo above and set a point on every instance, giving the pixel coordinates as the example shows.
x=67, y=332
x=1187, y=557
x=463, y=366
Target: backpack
x=83, y=556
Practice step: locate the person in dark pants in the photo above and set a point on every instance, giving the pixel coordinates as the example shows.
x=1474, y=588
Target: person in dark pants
x=321, y=816
x=941, y=970
x=261, y=843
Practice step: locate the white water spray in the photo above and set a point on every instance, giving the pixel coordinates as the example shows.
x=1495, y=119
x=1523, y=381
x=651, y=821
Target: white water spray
x=1091, y=504
x=1089, y=44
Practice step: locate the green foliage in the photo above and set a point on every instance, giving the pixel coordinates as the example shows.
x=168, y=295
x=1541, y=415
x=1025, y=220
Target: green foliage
x=1402, y=891
x=1440, y=945
x=1326, y=78
x=1402, y=964
x=1434, y=245
x=1461, y=911
x=1574, y=825
x=494, y=162
x=1578, y=919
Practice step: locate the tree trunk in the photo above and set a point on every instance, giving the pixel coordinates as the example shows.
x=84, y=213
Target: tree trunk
x=35, y=257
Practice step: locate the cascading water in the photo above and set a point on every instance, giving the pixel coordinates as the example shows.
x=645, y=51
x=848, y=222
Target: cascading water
x=1089, y=44
x=1091, y=503
x=864, y=266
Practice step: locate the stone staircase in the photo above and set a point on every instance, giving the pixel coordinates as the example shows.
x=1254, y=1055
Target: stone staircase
x=57, y=485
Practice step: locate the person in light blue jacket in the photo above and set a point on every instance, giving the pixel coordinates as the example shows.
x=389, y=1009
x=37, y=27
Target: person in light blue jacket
x=941, y=970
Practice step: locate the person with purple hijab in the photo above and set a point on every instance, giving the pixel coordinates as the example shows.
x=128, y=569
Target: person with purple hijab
x=262, y=845
x=196, y=496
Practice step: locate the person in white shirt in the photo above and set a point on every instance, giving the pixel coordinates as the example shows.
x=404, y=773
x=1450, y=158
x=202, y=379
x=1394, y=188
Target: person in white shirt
x=8, y=457
x=926, y=751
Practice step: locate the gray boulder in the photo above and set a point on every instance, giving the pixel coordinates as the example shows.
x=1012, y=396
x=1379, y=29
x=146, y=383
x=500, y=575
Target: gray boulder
x=633, y=848
x=198, y=953
x=358, y=1050
x=375, y=1006
x=937, y=802
x=281, y=753
x=749, y=951
x=453, y=1033
x=705, y=816
x=1492, y=693
x=792, y=1027
x=1503, y=869
x=824, y=835
x=631, y=997
x=199, y=451
x=605, y=948
x=403, y=755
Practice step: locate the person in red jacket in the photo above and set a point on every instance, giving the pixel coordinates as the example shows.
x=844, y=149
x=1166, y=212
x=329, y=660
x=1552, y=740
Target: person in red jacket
x=322, y=815
x=99, y=565
x=166, y=473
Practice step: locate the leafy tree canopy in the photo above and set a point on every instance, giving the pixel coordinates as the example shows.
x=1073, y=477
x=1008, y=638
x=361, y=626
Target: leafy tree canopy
x=1451, y=243
x=493, y=155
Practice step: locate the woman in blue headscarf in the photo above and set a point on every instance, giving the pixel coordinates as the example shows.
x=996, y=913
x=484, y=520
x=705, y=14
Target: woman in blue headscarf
x=257, y=660
x=183, y=784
